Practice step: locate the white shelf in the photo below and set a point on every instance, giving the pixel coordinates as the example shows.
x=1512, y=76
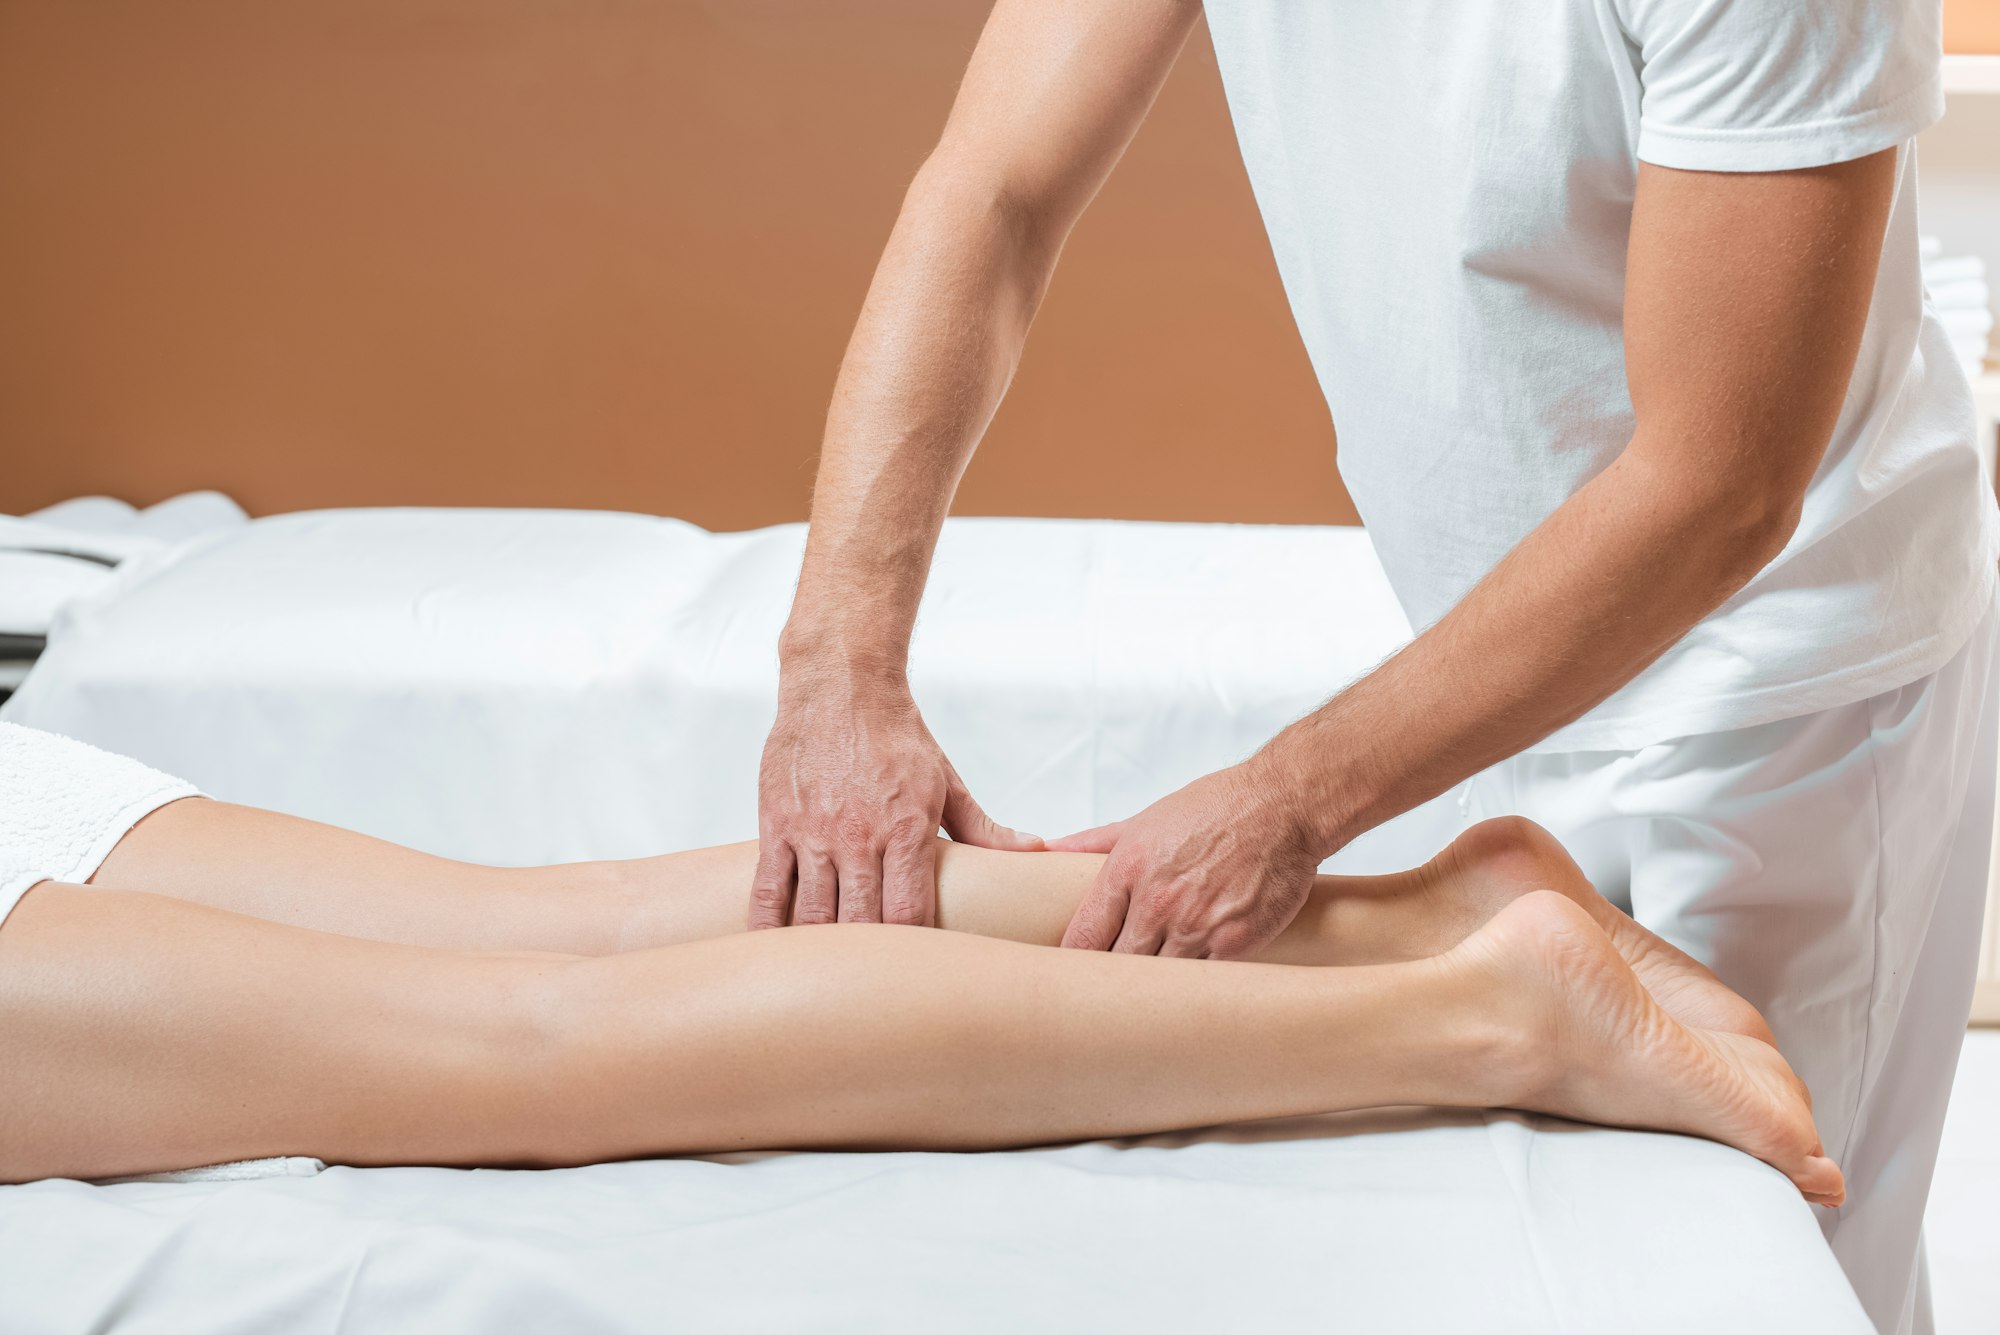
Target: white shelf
x=1986, y=991
x=1972, y=74
x=1986, y=417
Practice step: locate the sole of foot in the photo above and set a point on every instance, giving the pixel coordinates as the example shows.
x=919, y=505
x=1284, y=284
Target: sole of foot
x=1497, y=861
x=1597, y=1047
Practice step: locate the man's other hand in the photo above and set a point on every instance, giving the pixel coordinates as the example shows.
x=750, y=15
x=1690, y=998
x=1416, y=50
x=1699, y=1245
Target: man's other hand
x=1213, y=871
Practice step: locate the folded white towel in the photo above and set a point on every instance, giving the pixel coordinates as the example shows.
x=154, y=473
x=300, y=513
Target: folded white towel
x=107, y=547
x=1966, y=324
x=1960, y=294
x=34, y=586
x=1953, y=268
x=56, y=556
x=238, y=1170
x=90, y=514
x=176, y=519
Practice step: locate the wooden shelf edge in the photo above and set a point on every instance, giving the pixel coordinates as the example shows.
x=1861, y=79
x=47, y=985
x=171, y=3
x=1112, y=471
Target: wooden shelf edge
x=1971, y=73
x=1986, y=1003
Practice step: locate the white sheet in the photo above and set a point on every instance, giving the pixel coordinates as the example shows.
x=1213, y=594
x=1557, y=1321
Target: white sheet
x=1391, y=1222
x=523, y=687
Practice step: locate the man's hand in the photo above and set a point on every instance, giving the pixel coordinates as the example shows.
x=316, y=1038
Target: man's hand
x=1213, y=871
x=852, y=791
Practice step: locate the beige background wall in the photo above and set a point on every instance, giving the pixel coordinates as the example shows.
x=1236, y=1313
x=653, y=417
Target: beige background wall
x=580, y=253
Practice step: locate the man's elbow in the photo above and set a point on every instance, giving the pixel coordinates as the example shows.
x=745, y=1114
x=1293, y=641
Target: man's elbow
x=964, y=195
x=1732, y=509
x=1747, y=524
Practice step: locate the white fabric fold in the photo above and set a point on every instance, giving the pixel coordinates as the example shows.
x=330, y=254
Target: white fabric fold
x=236, y=1170
x=54, y=557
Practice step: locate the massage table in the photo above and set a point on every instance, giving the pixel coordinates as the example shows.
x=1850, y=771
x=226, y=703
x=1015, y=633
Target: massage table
x=522, y=687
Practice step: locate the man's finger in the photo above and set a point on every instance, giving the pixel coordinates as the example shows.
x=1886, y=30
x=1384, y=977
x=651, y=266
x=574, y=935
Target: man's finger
x=1232, y=943
x=861, y=891
x=1140, y=935
x=909, y=882
x=968, y=824
x=771, y=884
x=817, y=897
x=1182, y=946
x=1097, y=920
x=1098, y=840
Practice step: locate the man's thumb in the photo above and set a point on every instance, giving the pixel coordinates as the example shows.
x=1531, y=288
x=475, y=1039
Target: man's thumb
x=1097, y=840
x=966, y=823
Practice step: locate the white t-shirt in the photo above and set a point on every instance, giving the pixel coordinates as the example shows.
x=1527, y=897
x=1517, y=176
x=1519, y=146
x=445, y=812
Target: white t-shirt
x=1448, y=189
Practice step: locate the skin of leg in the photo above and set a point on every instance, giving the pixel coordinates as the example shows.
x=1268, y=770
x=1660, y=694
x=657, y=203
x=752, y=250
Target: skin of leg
x=307, y=874
x=143, y=1032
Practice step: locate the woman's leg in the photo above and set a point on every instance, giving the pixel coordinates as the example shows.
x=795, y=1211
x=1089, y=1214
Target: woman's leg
x=140, y=1032
x=306, y=874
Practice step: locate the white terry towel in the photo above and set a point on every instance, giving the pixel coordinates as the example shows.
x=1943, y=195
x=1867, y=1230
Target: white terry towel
x=237, y=1170
x=64, y=805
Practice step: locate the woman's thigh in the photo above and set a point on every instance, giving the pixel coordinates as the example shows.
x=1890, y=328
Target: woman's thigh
x=139, y=1032
x=299, y=872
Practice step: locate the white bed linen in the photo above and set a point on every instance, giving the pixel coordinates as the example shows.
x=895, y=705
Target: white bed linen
x=1394, y=1222
x=536, y=686
x=526, y=687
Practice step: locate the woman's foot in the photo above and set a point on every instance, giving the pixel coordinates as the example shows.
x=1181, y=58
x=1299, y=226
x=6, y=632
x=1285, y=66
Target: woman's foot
x=1600, y=1049
x=1497, y=861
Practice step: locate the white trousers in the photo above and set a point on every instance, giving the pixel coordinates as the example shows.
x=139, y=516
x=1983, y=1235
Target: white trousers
x=1832, y=868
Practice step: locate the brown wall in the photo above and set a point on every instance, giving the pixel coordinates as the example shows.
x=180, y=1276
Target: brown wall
x=579, y=253
x=1972, y=26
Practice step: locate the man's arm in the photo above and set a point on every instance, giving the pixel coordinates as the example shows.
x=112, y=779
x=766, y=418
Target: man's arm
x=1745, y=299
x=853, y=787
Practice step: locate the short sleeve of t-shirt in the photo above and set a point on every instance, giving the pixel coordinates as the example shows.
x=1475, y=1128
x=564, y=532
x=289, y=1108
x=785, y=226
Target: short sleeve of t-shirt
x=1777, y=85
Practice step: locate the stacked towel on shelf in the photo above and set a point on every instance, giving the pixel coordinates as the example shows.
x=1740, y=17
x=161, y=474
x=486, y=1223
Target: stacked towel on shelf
x=51, y=558
x=1956, y=286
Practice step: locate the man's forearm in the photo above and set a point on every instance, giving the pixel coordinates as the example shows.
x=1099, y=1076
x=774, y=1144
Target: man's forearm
x=1603, y=587
x=1052, y=95
x=1745, y=300
x=931, y=356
